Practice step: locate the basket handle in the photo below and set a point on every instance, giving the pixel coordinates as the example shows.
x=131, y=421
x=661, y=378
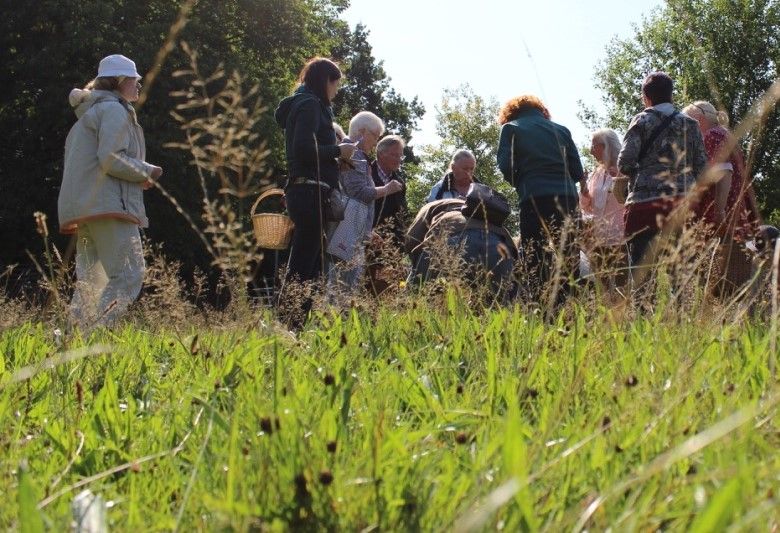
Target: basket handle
x=266, y=194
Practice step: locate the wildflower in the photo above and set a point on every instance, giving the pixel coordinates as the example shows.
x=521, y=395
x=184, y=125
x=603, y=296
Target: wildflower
x=40, y=224
x=57, y=337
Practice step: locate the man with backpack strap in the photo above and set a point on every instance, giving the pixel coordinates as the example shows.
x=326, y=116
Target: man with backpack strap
x=663, y=155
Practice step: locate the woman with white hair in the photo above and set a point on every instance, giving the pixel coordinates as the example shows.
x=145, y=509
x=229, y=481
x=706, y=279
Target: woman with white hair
x=729, y=205
x=603, y=212
x=456, y=183
x=347, y=240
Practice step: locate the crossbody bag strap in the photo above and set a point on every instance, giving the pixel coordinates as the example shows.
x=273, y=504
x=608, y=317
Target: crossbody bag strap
x=653, y=136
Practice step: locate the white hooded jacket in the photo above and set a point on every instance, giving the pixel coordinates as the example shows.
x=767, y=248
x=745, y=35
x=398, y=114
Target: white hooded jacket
x=104, y=162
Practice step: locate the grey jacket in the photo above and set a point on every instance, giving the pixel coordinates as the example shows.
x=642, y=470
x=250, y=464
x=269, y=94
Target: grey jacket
x=358, y=184
x=671, y=165
x=104, y=162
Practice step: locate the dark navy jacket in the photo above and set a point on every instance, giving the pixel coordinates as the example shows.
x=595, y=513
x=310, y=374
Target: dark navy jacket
x=392, y=209
x=310, y=140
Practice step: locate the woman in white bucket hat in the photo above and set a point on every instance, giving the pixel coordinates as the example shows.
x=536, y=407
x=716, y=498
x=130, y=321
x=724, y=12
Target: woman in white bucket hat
x=101, y=197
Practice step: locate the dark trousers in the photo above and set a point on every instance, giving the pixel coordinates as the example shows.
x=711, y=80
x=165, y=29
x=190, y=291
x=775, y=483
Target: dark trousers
x=638, y=245
x=306, y=209
x=542, y=220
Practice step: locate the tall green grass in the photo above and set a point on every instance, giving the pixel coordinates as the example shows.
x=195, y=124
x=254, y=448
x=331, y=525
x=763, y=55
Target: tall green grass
x=433, y=418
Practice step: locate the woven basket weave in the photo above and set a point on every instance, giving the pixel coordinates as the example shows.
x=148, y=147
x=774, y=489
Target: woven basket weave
x=620, y=188
x=272, y=230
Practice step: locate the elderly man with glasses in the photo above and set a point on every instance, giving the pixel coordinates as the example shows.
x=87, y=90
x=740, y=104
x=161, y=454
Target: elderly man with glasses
x=390, y=212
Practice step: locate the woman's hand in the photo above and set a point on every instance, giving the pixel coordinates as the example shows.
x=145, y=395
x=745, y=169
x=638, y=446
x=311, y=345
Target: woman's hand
x=584, y=186
x=153, y=176
x=346, y=149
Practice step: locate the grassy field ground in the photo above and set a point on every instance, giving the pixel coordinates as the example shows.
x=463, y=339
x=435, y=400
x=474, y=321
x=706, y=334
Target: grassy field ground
x=425, y=419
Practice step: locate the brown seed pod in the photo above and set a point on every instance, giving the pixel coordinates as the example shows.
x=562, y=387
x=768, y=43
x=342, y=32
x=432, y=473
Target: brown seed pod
x=326, y=477
x=266, y=426
x=461, y=437
x=329, y=380
x=531, y=393
x=331, y=446
x=80, y=395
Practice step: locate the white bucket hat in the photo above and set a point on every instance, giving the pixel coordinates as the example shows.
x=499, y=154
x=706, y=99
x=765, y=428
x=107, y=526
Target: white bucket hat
x=117, y=65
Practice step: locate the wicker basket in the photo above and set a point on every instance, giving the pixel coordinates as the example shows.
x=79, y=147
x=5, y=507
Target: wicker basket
x=272, y=230
x=620, y=188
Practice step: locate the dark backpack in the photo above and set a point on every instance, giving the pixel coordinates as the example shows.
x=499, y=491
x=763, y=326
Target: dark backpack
x=484, y=203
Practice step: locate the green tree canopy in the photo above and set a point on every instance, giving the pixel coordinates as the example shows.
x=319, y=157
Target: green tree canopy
x=49, y=47
x=463, y=120
x=723, y=51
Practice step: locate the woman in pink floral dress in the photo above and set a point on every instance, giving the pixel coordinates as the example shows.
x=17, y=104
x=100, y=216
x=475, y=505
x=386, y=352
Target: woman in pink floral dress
x=603, y=213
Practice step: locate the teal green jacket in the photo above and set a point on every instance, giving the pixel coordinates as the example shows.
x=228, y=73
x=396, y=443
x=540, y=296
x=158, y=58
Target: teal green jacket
x=538, y=157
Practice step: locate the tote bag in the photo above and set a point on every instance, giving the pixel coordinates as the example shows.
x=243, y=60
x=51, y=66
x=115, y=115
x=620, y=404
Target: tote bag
x=350, y=232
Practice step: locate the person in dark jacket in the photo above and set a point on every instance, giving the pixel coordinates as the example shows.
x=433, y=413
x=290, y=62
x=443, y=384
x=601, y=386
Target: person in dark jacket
x=390, y=213
x=312, y=155
x=391, y=210
x=456, y=182
x=539, y=158
x=663, y=155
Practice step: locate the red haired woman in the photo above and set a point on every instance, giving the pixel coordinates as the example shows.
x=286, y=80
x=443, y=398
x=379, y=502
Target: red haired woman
x=539, y=158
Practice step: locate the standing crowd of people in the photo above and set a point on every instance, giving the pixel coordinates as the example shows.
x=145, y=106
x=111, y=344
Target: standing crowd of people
x=669, y=162
x=346, y=196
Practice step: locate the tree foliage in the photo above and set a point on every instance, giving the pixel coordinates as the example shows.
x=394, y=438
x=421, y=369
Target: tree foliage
x=463, y=120
x=724, y=51
x=48, y=47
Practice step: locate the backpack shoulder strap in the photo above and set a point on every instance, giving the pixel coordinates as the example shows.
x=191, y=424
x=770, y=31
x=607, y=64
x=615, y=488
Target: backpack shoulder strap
x=654, y=135
x=444, y=188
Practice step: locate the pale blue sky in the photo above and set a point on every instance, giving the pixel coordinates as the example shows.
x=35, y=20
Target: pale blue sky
x=502, y=48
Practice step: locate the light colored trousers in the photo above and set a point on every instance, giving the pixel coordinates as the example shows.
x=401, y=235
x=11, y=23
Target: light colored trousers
x=344, y=277
x=109, y=271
